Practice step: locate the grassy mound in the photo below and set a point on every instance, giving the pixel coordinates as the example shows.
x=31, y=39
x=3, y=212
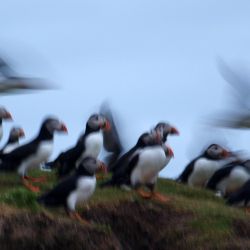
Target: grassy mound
x=193, y=219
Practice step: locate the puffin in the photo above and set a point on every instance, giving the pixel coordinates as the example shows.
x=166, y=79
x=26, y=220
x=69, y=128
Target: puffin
x=4, y=115
x=33, y=153
x=74, y=189
x=241, y=197
x=142, y=164
x=200, y=170
x=230, y=178
x=122, y=169
x=162, y=128
x=89, y=144
x=13, y=141
x=146, y=166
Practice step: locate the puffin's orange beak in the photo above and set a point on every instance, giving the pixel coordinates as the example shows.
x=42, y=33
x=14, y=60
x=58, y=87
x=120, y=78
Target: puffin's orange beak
x=107, y=125
x=102, y=167
x=8, y=116
x=174, y=131
x=64, y=128
x=21, y=133
x=170, y=151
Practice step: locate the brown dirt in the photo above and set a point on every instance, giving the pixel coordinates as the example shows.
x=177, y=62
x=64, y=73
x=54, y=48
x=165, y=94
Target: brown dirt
x=124, y=225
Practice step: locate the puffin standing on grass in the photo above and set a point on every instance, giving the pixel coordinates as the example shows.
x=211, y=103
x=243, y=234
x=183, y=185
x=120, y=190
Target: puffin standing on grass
x=142, y=164
x=32, y=154
x=89, y=144
x=74, y=189
x=162, y=128
x=146, y=166
x=230, y=178
x=200, y=170
x=13, y=141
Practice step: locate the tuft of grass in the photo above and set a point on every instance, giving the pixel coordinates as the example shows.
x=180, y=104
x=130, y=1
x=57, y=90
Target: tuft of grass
x=20, y=198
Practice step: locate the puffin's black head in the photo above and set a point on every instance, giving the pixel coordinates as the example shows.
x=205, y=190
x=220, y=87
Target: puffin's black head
x=4, y=114
x=166, y=129
x=89, y=165
x=51, y=125
x=215, y=151
x=149, y=139
x=97, y=122
x=15, y=134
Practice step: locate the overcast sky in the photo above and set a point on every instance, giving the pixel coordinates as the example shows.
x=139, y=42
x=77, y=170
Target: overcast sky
x=153, y=61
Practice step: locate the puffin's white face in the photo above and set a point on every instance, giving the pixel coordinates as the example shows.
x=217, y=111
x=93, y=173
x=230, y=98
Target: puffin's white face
x=217, y=152
x=166, y=128
x=97, y=122
x=53, y=125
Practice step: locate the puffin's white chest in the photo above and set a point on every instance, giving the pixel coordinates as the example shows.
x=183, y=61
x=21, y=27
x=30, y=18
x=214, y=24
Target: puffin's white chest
x=42, y=154
x=151, y=161
x=10, y=147
x=203, y=171
x=85, y=188
x=234, y=181
x=93, y=145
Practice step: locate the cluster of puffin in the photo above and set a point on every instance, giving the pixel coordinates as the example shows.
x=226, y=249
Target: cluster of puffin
x=222, y=171
x=76, y=168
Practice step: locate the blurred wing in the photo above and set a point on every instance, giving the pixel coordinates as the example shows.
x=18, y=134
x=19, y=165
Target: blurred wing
x=239, y=115
x=10, y=82
x=238, y=80
x=112, y=142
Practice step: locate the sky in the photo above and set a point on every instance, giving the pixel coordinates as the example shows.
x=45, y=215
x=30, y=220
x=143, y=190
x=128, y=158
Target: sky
x=152, y=60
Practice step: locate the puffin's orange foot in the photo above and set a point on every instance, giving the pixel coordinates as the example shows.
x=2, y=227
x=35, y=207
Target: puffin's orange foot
x=40, y=179
x=77, y=216
x=160, y=197
x=247, y=210
x=143, y=194
x=100, y=177
x=30, y=186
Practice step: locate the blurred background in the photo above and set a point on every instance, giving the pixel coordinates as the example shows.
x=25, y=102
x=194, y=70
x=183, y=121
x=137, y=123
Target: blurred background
x=151, y=60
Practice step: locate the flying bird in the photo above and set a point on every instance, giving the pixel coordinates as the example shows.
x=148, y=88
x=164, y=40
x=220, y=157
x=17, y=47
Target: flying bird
x=11, y=82
x=237, y=115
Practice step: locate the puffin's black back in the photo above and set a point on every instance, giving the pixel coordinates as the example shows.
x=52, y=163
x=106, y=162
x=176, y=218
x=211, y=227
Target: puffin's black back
x=220, y=174
x=187, y=171
x=59, y=194
x=13, y=159
x=241, y=195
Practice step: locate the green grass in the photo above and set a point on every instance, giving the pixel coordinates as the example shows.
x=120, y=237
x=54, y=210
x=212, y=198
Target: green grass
x=211, y=218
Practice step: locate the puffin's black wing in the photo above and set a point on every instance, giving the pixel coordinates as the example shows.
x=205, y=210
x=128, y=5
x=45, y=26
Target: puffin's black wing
x=123, y=169
x=219, y=175
x=187, y=171
x=66, y=161
x=11, y=160
x=241, y=195
x=58, y=195
x=112, y=142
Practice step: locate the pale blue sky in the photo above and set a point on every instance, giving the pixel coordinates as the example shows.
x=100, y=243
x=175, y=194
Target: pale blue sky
x=153, y=60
